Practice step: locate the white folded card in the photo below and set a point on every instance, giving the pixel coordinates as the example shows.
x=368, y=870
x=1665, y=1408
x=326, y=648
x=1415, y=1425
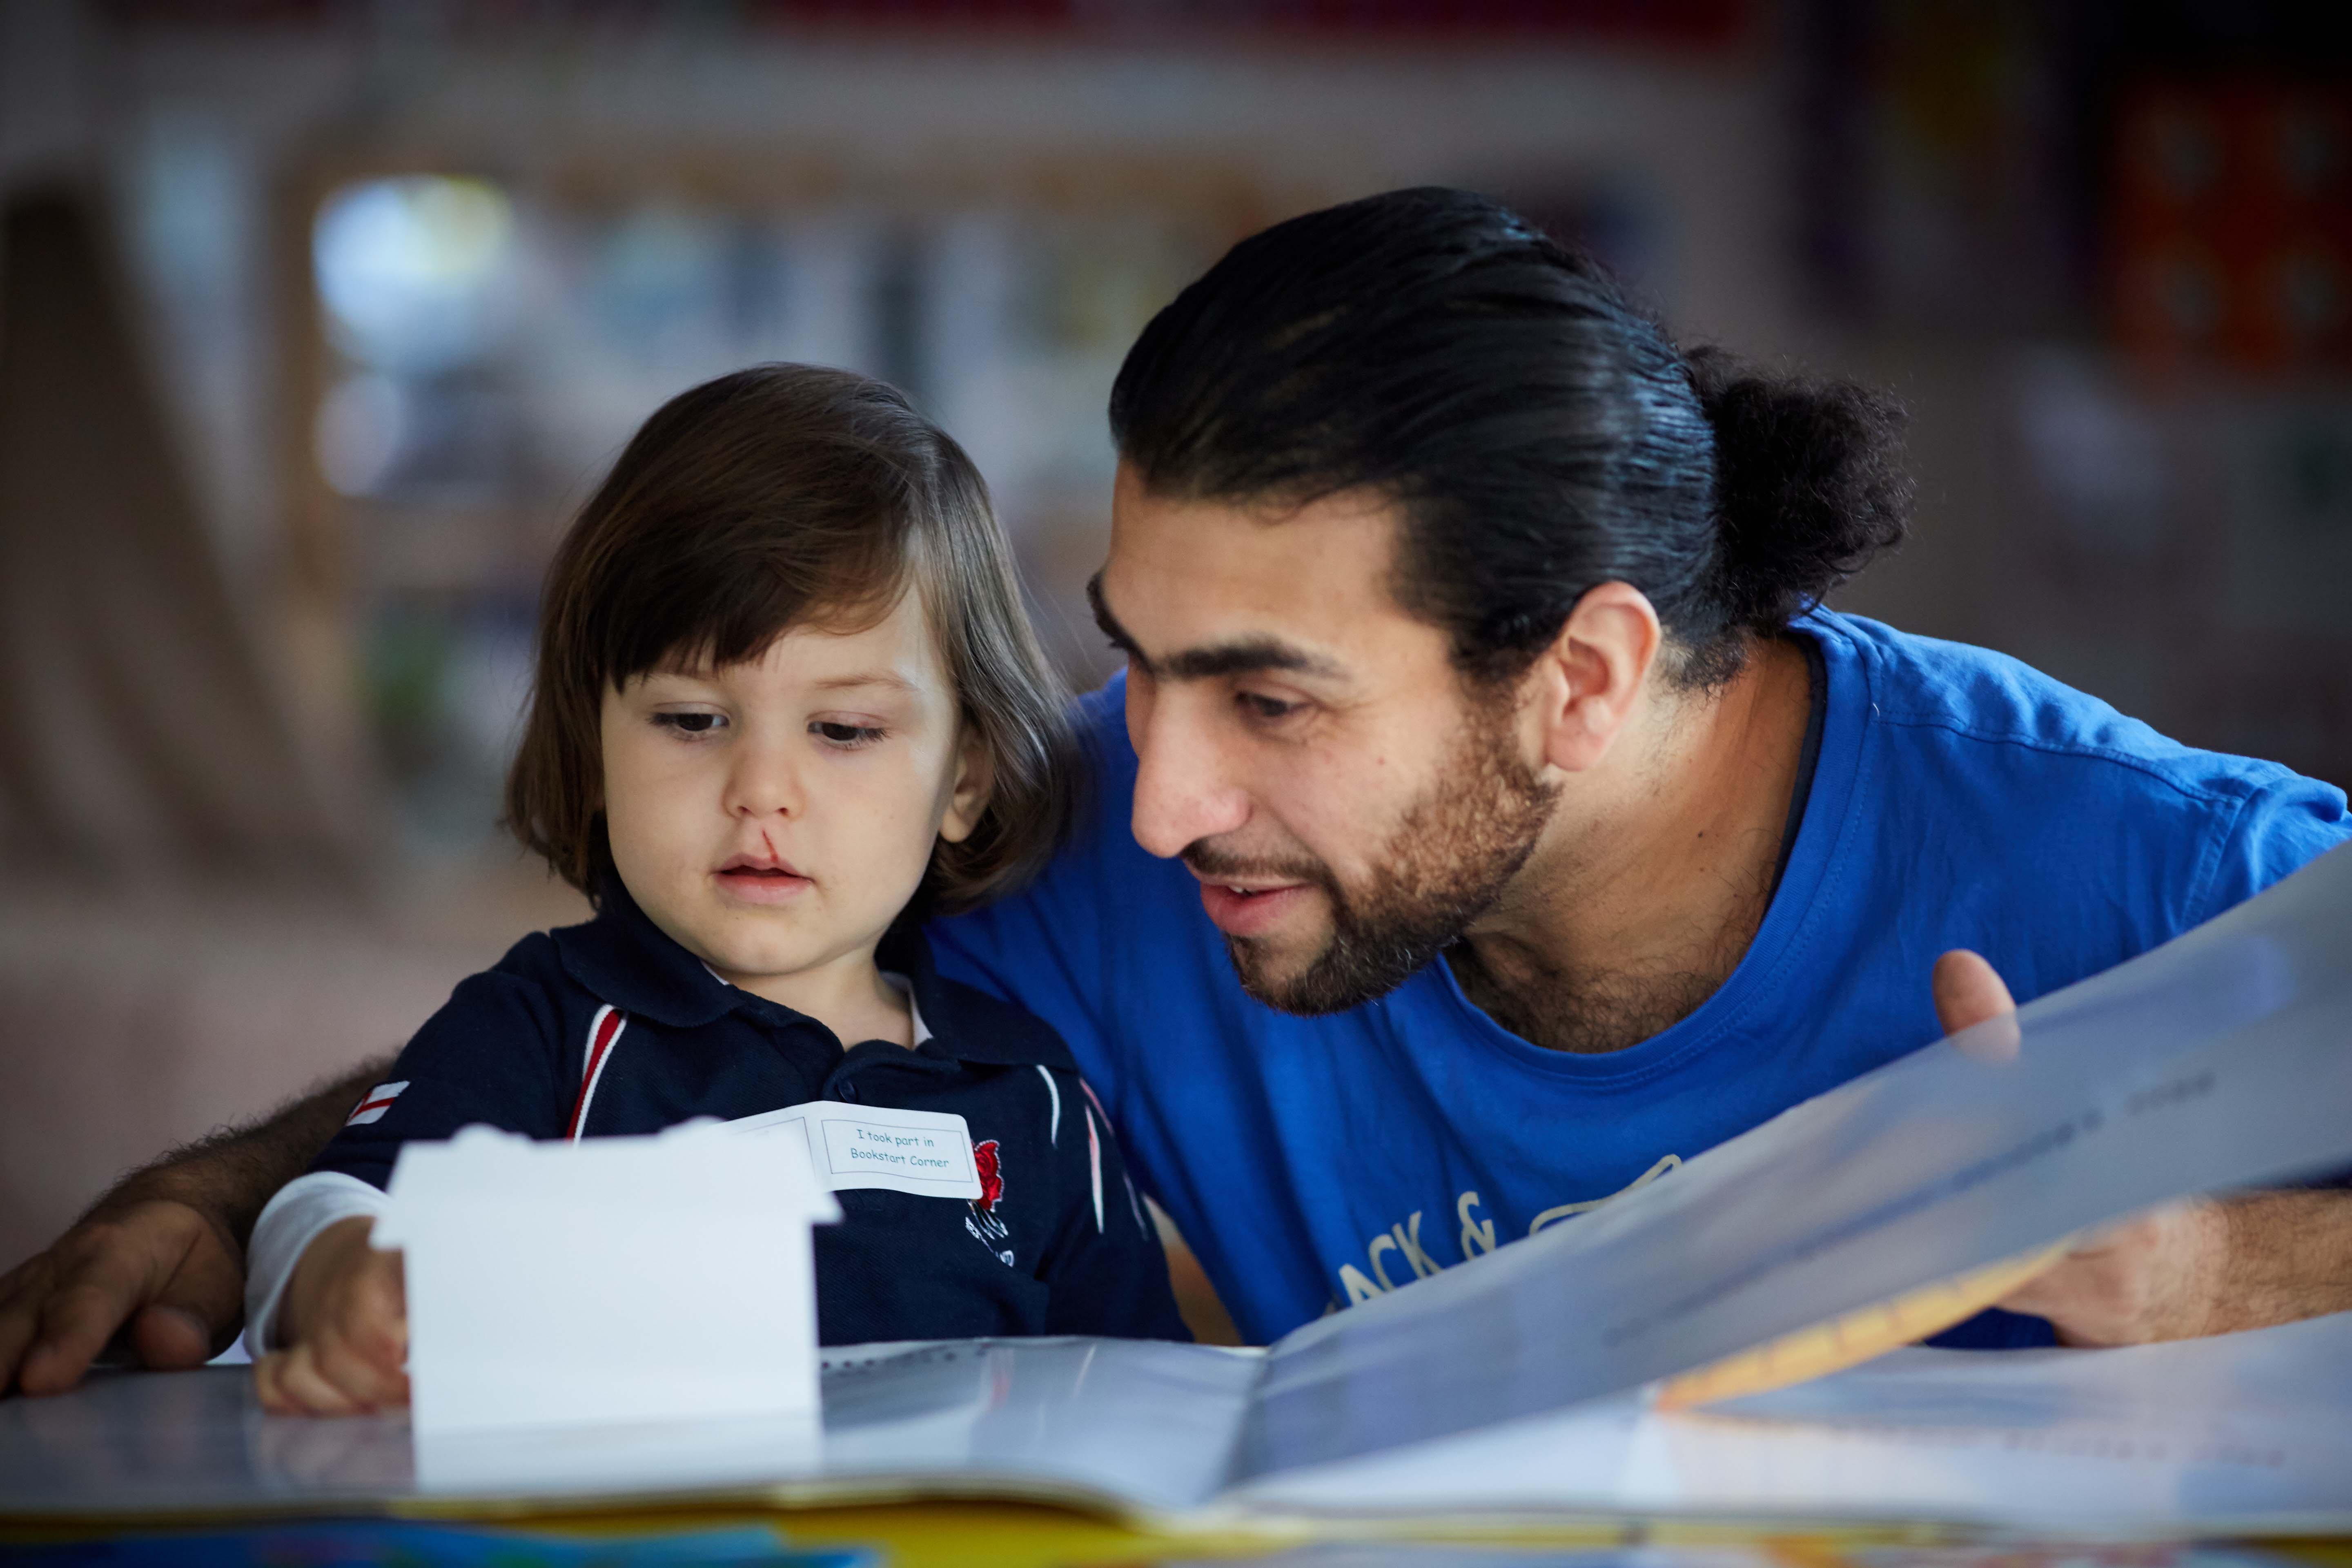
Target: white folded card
x=611, y=1279
x=927, y=1152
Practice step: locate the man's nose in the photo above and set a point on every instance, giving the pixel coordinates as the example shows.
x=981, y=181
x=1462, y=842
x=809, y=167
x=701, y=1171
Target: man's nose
x=1183, y=788
x=764, y=780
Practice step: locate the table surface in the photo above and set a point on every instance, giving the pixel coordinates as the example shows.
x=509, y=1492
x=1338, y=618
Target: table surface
x=2255, y=1429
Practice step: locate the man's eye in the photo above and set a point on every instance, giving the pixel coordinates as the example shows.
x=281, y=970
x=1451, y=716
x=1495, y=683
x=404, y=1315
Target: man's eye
x=847, y=735
x=1262, y=707
x=690, y=724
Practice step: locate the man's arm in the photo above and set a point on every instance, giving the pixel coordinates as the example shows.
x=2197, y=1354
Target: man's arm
x=161, y=1254
x=2206, y=1266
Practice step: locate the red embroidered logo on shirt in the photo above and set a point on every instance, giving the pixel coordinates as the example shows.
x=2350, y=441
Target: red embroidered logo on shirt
x=991, y=1183
x=988, y=1226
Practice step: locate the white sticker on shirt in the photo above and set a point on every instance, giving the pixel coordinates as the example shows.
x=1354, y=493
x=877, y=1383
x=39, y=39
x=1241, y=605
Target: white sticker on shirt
x=927, y=1152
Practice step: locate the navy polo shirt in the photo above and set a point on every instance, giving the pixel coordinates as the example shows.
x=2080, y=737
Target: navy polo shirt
x=1057, y=1243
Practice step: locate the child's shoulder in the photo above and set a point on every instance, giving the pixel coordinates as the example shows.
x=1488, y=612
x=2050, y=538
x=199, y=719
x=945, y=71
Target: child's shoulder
x=971, y=1024
x=530, y=985
x=536, y=957
x=505, y=1049
x=536, y=963
x=988, y=1028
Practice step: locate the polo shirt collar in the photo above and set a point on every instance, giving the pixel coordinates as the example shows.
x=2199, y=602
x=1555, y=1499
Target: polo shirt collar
x=629, y=962
x=624, y=959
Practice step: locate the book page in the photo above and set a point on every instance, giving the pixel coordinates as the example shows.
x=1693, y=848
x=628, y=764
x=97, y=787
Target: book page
x=2217, y=1061
x=2246, y=1432
x=1139, y=1425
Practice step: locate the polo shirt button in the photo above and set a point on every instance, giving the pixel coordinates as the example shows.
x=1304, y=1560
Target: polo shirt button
x=848, y=1091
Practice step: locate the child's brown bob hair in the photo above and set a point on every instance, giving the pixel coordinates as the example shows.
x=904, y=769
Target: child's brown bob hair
x=781, y=496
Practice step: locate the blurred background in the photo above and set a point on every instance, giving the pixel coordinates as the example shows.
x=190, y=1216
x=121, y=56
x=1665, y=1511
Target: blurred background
x=318, y=319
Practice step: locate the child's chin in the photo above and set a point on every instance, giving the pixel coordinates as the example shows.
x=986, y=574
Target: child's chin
x=757, y=952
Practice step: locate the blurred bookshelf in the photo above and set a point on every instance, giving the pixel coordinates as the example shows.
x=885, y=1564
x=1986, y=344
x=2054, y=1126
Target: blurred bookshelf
x=474, y=348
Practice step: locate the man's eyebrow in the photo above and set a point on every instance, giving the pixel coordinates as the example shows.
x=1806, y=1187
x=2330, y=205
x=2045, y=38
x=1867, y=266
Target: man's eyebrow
x=1246, y=656
x=1109, y=626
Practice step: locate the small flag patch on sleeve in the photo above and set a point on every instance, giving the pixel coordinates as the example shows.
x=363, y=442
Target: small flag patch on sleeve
x=379, y=1100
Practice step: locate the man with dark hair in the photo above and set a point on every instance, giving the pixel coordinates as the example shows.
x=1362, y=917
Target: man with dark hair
x=1490, y=818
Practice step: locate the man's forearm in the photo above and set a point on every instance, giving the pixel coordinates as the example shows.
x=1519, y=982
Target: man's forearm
x=229, y=1176
x=2286, y=1256
x=160, y=1257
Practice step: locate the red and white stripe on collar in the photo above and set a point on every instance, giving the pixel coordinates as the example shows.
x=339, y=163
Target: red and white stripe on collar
x=374, y=1104
x=603, y=1029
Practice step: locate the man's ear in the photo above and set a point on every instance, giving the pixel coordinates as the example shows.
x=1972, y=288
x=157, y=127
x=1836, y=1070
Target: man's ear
x=1583, y=689
x=975, y=777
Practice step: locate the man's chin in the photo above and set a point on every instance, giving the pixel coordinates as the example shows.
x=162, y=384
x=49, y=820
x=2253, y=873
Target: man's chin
x=1306, y=985
x=1268, y=971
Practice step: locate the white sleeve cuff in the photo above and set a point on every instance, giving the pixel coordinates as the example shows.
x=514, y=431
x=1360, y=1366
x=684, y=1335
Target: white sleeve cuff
x=302, y=1208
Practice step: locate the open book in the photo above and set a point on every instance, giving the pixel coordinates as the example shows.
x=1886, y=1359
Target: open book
x=1522, y=1382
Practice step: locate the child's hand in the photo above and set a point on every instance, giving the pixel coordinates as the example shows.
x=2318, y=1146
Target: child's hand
x=346, y=1317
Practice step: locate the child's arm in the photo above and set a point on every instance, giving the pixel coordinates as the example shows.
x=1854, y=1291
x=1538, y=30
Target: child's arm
x=1107, y=1266
x=314, y=1288
x=345, y=1319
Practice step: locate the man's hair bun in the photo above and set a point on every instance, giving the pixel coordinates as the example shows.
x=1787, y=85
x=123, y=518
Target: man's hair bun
x=1808, y=484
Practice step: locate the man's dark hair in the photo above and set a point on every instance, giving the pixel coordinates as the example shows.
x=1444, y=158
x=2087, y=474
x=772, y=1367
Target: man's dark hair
x=1540, y=433
x=778, y=497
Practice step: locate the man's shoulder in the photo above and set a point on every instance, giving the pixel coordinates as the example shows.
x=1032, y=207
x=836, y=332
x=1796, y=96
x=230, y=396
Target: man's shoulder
x=1963, y=742
x=1963, y=703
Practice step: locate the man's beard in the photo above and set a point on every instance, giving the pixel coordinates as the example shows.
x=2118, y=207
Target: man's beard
x=1448, y=862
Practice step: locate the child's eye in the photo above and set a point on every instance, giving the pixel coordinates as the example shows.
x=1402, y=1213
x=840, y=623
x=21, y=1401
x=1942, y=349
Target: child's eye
x=690, y=724
x=847, y=736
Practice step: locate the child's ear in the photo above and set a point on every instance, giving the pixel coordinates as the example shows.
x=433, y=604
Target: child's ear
x=975, y=776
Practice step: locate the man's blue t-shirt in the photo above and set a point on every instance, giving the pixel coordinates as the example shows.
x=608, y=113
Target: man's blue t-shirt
x=1960, y=799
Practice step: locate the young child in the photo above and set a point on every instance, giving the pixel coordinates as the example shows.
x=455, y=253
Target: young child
x=787, y=702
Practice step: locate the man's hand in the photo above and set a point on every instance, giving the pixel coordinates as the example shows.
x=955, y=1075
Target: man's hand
x=346, y=1311
x=175, y=1278
x=2157, y=1276
x=163, y=1253
x=2203, y=1266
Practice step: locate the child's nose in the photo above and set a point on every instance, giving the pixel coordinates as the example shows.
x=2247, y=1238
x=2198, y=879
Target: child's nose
x=763, y=783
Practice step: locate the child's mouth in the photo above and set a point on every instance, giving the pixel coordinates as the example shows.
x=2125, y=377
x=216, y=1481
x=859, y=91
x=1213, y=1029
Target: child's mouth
x=761, y=884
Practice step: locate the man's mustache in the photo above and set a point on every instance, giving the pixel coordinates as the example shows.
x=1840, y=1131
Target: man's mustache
x=1209, y=863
